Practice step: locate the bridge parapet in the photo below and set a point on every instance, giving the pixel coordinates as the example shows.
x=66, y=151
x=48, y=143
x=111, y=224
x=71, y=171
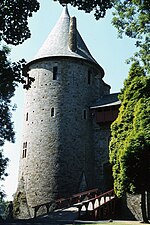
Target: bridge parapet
x=67, y=202
x=100, y=207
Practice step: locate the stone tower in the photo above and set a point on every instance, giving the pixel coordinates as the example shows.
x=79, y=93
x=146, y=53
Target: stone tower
x=57, y=157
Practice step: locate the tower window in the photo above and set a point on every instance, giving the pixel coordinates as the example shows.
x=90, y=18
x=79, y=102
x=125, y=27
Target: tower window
x=24, y=145
x=27, y=116
x=84, y=114
x=52, y=112
x=55, y=72
x=24, y=153
x=89, y=76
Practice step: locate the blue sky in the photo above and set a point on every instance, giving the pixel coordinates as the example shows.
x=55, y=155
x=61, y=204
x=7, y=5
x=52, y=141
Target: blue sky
x=100, y=38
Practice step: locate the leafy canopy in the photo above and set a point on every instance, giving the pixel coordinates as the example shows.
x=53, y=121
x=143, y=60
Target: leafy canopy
x=99, y=7
x=131, y=18
x=130, y=142
x=10, y=76
x=14, y=20
x=13, y=30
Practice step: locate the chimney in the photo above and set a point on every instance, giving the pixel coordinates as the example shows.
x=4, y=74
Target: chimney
x=73, y=35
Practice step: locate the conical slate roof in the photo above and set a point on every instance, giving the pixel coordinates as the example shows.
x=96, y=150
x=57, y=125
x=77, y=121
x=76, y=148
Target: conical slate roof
x=57, y=43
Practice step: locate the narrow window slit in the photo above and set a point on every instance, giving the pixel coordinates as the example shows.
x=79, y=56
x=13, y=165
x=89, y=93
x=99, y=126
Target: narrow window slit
x=52, y=112
x=55, y=72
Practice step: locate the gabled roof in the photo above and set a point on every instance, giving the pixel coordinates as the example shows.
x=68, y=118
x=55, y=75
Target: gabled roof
x=106, y=101
x=57, y=43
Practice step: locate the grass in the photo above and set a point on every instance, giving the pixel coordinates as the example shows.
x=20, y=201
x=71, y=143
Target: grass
x=115, y=223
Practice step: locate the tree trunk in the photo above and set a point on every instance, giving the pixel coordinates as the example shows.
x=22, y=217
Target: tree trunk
x=143, y=207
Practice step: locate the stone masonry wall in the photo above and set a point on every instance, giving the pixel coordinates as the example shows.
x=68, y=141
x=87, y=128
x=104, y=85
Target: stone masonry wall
x=129, y=207
x=101, y=137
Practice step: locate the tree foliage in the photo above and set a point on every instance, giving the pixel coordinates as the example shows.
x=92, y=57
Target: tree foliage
x=10, y=76
x=130, y=133
x=137, y=155
x=14, y=20
x=99, y=7
x=3, y=166
x=3, y=210
x=131, y=18
x=130, y=142
x=13, y=30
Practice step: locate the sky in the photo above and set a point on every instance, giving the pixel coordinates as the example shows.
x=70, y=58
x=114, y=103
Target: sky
x=101, y=39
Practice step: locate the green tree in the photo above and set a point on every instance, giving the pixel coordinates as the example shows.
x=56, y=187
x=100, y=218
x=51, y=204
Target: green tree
x=99, y=7
x=131, y=18
x=3, y=210
x=10, y=76
x=14, y=16
x=130, y=142
x=13, y=30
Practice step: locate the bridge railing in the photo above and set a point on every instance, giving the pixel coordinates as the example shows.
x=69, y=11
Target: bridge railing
x=67, y=202
x=101, y=206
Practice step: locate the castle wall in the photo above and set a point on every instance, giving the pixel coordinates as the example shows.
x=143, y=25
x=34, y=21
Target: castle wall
x=101, y=138
x=57, y=149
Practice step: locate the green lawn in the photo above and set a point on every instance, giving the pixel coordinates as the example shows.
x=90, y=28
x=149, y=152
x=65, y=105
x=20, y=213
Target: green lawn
x=115, y=223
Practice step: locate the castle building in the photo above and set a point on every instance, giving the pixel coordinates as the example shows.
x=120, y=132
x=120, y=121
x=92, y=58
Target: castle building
x=68, y=112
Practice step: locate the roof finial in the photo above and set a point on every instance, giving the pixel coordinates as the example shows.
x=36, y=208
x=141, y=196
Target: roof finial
x=63, y=3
